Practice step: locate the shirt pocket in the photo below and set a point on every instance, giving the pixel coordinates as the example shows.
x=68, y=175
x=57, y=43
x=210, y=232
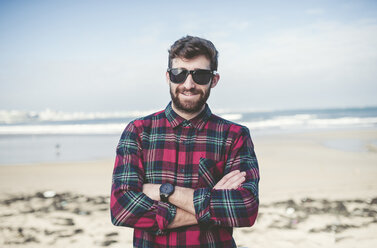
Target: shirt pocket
x=210, y=172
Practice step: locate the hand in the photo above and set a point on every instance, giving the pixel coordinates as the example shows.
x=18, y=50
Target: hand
x=232, y=180
x=152, y=191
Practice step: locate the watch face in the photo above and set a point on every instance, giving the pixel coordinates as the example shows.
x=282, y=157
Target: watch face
x=167, y=188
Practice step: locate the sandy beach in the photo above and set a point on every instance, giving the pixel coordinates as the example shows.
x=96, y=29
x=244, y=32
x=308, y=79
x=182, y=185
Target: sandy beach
x=311, y=195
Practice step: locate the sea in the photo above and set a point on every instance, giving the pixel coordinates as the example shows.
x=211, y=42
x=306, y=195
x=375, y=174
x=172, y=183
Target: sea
x=54, y=136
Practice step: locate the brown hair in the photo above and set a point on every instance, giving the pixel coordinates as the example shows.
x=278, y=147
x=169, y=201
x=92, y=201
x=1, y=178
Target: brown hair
x=190, y=46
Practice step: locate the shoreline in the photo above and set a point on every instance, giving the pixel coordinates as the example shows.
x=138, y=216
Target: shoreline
x=311, y=195
x=55, y=149
x=304, y=154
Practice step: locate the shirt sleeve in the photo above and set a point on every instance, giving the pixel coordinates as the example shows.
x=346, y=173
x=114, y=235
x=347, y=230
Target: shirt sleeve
x=232, y=208
x=129, y=206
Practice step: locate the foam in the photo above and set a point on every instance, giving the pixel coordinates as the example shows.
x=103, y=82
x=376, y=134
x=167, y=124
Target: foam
x=310, y=121
x=112, y=128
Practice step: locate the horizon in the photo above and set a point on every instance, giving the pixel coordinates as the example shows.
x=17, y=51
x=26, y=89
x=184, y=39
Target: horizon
x=219, y=110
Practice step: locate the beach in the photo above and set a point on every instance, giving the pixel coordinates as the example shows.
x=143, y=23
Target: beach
x=312, y=194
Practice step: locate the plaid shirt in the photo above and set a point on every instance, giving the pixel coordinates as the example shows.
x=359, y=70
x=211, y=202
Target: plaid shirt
x=197, y=153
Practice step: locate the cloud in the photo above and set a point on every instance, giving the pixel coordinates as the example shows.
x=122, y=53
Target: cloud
x=331, y=61
x=316, y=48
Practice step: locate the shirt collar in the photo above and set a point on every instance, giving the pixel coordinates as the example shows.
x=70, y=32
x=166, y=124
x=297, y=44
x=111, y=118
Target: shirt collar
x=198, y=122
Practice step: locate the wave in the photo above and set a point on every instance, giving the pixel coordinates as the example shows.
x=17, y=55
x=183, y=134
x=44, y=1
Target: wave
x=17, y=117
x=57, y=122
x=310, y=122
x=295, y=122
x=111, y=128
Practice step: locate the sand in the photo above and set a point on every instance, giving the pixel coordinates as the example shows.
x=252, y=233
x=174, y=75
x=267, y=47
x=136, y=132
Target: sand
x=311, y=195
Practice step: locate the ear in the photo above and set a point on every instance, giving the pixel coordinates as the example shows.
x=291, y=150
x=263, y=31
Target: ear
x=215, y=80
x=167, y=77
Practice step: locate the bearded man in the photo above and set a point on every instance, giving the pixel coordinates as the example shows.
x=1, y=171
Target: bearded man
x=184, y=177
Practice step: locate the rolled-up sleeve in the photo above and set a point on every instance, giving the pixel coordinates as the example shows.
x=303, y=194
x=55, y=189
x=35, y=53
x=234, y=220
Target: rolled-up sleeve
x=129, y=206
x=236, y=207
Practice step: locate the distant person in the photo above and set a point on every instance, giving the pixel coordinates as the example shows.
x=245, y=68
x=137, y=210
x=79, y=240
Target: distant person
x=184, y=177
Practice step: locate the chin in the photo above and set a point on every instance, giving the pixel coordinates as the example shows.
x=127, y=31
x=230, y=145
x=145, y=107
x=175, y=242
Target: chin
x=190, y=108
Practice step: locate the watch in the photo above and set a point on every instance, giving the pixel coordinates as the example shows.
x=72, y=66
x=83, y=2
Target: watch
x=166, y=190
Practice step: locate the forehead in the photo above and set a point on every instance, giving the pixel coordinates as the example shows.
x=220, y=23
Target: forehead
x=198, y=62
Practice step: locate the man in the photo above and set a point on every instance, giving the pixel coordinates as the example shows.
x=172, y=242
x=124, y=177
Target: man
x=184, y=177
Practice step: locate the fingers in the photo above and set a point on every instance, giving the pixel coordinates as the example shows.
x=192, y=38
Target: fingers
x=231, y=180
x=235, y=181
x=230, y=174
x=226, y=178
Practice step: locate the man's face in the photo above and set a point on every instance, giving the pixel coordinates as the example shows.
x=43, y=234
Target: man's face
x=190, y=97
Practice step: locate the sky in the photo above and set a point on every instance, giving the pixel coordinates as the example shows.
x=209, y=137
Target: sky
x=95, y=56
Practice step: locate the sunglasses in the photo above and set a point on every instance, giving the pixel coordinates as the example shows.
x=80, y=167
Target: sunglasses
x=200, y=76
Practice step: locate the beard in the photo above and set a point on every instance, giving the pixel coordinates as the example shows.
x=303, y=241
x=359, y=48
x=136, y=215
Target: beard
x=189, y=106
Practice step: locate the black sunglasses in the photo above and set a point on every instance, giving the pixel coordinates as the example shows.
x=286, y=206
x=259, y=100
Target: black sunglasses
x=200, y=76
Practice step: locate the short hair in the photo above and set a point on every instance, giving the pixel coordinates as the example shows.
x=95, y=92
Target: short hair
x=189, y=47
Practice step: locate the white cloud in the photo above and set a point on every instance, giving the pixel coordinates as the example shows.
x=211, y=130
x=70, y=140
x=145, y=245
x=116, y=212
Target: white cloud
x=331, y=61
x=323, y=47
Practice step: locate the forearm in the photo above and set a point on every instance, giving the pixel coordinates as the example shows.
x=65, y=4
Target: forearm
x=231, y=208
x=134, y=209
x=182, y=218
x=183, y=198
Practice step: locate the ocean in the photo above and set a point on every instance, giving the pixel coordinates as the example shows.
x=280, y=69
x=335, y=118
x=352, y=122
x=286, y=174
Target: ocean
x=53, y=136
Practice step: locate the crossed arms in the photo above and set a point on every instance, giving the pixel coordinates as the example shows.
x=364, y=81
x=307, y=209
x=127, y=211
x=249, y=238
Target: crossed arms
x=136, y=204
x=183, y=198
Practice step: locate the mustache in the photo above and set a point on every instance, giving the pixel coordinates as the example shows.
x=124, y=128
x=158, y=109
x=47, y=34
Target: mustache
x=193, y=91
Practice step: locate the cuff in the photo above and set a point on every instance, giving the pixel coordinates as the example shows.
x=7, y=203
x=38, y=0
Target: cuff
x=202, y=198
x=165, y=215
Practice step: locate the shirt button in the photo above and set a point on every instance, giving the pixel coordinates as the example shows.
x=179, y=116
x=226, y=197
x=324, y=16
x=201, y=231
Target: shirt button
x=182, y=170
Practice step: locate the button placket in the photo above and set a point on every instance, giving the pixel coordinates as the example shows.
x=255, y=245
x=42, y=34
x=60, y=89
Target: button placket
x=185, y=153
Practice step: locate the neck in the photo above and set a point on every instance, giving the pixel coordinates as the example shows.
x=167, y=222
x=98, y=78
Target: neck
x=185, y=115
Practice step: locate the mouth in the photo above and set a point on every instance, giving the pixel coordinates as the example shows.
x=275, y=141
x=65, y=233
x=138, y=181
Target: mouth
x=188, y=93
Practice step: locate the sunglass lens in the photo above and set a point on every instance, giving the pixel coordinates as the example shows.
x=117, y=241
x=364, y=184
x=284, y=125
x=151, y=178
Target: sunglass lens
x=202, y=77
x=178, y=75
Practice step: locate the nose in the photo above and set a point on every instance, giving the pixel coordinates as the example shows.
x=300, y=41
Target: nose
x=189, y=82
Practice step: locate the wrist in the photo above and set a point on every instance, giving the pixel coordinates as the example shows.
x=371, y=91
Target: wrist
x=152, y=191
x=166, y=190
x=183, y=198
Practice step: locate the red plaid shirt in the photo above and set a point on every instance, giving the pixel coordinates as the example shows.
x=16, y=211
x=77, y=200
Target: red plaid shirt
x=197, y=153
